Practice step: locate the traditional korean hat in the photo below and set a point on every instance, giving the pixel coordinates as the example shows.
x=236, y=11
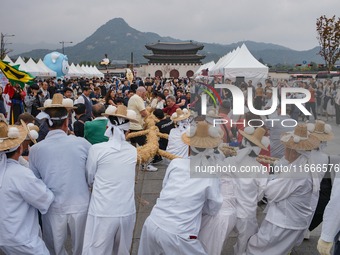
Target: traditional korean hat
x=10, y=136
x=300, y=139
x=32, y=131
x=321, y=130
x=58, y=101
x=256, y=136
x=180, y=114
x=122, y=112
x=203, y=135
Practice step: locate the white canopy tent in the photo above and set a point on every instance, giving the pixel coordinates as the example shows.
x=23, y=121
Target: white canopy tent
x=32, y=65
x=73, y=71
x=7, y=59
x=48, y=71
x=99, y=73
x=81, y=71
x=24, y=67
x=243, y=64
x=208, y=66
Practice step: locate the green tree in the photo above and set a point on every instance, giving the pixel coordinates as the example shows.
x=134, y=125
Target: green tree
x=328, y=35
x=94, y=63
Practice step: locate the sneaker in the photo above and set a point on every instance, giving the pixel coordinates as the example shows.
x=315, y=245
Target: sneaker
x=151, y=168
x=157, y=160
x=307, y=121
x=264, y=200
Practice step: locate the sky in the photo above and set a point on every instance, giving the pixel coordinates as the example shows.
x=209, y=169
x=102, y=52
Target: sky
x=290, y=23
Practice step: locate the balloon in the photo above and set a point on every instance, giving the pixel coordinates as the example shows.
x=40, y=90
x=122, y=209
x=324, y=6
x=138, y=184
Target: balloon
x=57, y=62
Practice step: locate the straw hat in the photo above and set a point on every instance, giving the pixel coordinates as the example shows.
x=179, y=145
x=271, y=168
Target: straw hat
x=180, y=115
x=300, y=139
x=11, y=136
x=122, y=112
x=32, y=131
x=203, y=135
x=58, y=101
x=256, y=136
x=321, y=130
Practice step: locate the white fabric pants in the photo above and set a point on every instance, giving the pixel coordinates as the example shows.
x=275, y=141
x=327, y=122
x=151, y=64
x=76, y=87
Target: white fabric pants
x=55, y=230
x=156, y=241
x=244, y=229
x=36, y=247
x=106, y=235
x=272, y=239
x=215, y=230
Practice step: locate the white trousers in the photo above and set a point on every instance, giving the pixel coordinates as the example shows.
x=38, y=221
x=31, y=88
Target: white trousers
x=272, y=239
x=215, y=230
x=55, y=232
x=36, y=247
x=244, y=229
x=155, y=241
x=106, y=235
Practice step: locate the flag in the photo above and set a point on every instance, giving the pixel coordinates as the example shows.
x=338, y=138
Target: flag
x=14, y=75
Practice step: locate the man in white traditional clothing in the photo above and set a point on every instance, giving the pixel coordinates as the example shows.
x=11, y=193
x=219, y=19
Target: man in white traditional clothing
x=59, y=161
x=320, y=199
x=249, y=179
x=110, y=170
x=215, y=229
x=175, y=220
x=21, y=193
x=289, y=197
x=175, y=145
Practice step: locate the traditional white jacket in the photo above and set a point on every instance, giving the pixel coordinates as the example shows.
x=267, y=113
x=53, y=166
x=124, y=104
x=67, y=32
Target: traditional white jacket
x=21, y=195
x=183, y=199
x=59, y=161
x=289, y=198
x=111, y=171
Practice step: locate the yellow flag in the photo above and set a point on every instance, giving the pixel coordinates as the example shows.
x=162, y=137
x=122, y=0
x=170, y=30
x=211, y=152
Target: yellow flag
x=13, y=74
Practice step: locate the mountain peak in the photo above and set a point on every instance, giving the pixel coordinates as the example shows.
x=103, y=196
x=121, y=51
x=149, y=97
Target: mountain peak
x=117, y=22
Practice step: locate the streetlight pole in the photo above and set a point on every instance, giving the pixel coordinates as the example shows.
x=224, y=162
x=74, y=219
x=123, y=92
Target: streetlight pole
x=3, y=44
x=62, y=45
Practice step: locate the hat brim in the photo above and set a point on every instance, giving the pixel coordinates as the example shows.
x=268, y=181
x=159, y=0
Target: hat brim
x=253, y=139
x=324, y=137
x=201, y=142
x=57, y=106
x=120, y=116
x=185, y=116
x=7, y=144
x=310, y=144
x=28, y=131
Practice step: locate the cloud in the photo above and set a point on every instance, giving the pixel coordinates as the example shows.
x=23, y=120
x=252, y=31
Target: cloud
x=288, y=23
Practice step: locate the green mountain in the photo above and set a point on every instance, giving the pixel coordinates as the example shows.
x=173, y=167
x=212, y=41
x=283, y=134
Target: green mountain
x=117, y=39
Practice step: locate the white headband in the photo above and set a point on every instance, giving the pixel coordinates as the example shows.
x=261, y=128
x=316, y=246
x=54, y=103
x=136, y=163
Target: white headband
x=44, y=115
x=116, y=135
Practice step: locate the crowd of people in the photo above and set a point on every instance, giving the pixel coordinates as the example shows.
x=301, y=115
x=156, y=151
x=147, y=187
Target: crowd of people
x=77, y=138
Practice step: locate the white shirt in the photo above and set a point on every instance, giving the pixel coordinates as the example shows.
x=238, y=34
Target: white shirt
x=182, y=200
x=20, y=195
x=175, y=144
x=289, y=199
x=320, y=159
x=80, y=99
x=112, y=174
x=59, y=160
x=331, y=219
x=248, y=187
